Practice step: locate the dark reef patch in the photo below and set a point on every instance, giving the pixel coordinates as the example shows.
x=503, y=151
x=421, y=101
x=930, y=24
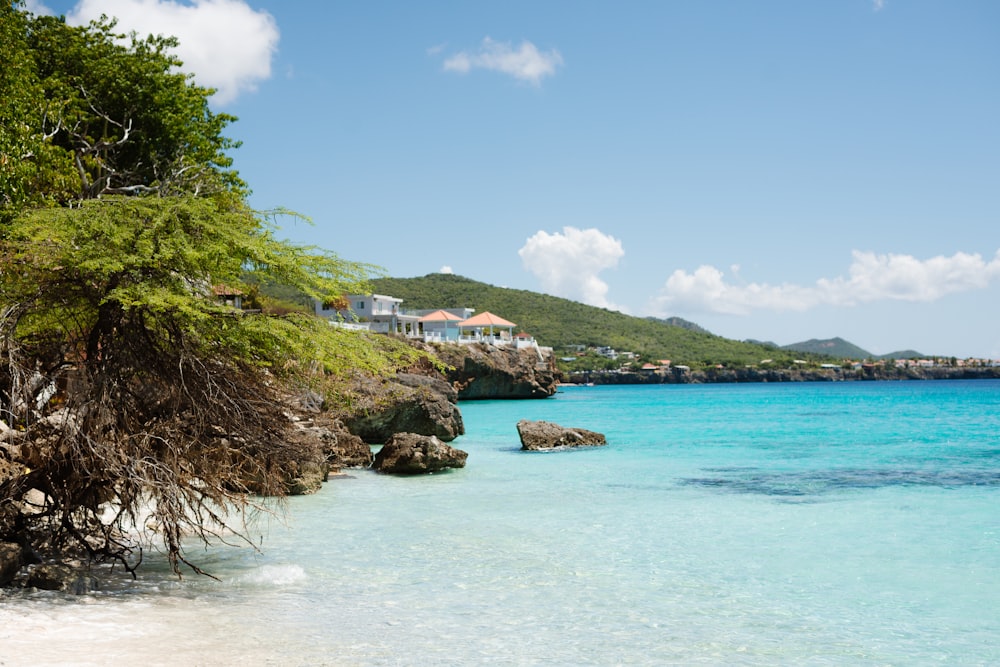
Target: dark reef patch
x=818, y=482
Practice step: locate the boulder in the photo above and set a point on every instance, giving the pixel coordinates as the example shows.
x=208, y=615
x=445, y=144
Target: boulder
x=412, y=454
x=10, y=561
x=62, y=577
x=536, y=435
x=347, y=450
x=339, y=447
x=408, y=403
x=303, y=463
x=308, y=477
x=482, y=371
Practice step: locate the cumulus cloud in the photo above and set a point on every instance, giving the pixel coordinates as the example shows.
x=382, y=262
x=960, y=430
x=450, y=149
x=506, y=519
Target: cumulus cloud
x=870, y=277
x=525, y=63
x=446, y=269
x=226, y=44
x=568, y=264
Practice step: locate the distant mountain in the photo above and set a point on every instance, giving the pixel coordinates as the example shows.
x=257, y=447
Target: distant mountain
x=831, y=347
x=902, y=354
x=566, y=325
x=841, y=349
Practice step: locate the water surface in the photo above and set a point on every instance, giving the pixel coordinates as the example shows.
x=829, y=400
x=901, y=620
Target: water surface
x=841, y=524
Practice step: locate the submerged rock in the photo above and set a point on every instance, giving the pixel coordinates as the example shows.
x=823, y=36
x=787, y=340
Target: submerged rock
x=536, y=435
x=412, y=454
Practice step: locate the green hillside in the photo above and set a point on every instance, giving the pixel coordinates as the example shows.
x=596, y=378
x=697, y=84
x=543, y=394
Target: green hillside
x=903, y=354
x=833, y=347
x=564, y=325
x=842, y=349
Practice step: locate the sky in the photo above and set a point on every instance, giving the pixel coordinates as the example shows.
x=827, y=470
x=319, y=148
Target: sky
x=776, y=170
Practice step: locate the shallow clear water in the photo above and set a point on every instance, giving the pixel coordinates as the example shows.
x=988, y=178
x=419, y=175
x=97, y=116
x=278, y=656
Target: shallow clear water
x=852, y=523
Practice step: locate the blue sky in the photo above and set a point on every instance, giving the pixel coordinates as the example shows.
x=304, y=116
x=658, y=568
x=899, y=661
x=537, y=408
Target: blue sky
x=774, y=170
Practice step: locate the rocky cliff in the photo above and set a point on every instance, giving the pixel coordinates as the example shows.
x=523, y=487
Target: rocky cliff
x=406, y=403
x=480, y=371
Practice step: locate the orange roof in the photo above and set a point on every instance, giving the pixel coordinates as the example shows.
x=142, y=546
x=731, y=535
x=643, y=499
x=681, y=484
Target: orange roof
x=440, y=316
x=486, y=319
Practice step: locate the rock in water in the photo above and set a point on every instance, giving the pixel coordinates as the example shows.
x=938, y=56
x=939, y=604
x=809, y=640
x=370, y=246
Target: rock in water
x=409, y=403
x=412, y=454
x=62, y=577
x=536, y=435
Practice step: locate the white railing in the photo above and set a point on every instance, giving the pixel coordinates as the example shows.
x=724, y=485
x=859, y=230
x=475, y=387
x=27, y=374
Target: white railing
x=351, y=326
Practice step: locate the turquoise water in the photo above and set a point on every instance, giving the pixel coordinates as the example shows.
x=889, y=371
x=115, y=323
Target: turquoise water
x=840, y=524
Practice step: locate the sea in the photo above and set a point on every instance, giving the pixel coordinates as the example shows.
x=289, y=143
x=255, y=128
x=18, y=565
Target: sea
x=851, y=523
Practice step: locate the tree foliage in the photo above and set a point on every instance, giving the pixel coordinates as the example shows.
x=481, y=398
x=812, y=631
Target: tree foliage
x=21, y=141
x=174, y=400
x=89, y=111
x=126, y=386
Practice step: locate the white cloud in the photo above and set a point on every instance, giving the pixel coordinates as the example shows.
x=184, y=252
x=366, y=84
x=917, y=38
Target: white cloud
x=446, y=269
x=878, y=5
x=226, y=44
x=568, y=264
x=525, y=63
x=870, y=278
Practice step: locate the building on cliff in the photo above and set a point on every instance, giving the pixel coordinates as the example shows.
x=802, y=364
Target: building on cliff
x=383, y=314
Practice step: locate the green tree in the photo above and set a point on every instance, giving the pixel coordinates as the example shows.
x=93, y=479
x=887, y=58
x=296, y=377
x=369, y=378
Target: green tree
x=131, y=121
x=88, y=111
x=21, y=141
x=175, y=400
x=124, y=384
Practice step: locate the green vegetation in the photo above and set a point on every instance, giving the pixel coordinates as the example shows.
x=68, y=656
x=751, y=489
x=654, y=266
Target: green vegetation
x=568, y=326
x=833, y=347
x=124, y=383
x=841, y=349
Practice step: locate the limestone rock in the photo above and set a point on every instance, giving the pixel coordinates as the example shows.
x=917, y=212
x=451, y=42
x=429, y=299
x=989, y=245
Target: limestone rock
x=536, y=435
x=10, y=561
x=481, y=371
x=62, y=577
x=308, y=478
x=409, y=403
x=412, y=454
x=347, y=450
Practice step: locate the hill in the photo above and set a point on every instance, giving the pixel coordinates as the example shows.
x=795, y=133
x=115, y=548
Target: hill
x=832, y=347
x=568, y=326
x=842, y=349
x=903, y=354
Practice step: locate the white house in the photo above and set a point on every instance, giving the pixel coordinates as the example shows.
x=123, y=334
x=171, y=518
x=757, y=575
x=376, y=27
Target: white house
x=376, y=312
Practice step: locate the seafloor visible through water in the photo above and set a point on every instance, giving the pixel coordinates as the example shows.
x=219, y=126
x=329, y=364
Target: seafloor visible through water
x=841, y=524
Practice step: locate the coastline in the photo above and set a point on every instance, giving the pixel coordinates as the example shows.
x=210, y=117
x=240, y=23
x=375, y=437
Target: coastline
x=751, y=375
